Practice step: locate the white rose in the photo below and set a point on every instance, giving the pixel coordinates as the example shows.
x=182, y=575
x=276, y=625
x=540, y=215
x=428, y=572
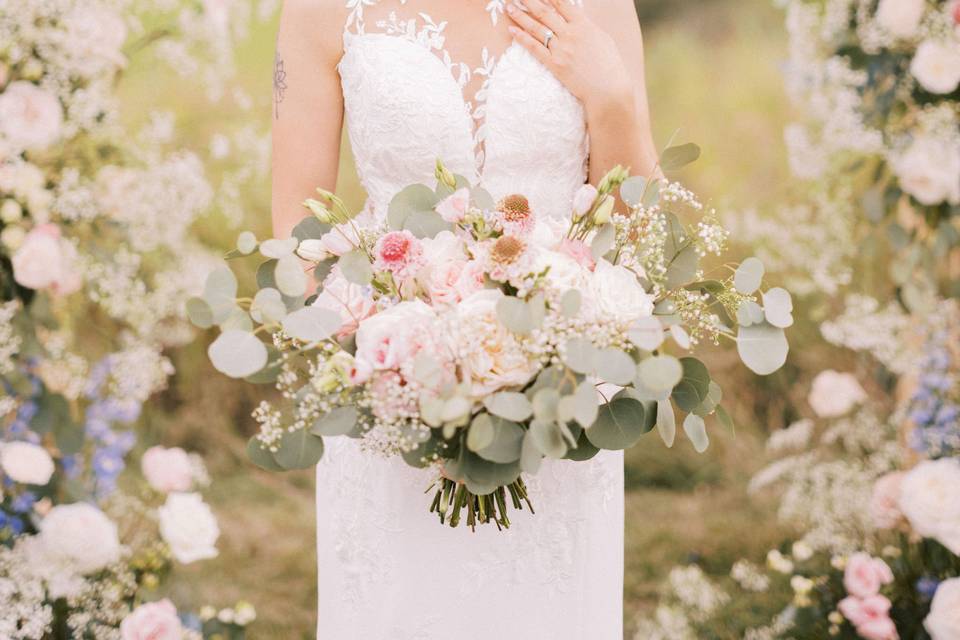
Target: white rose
x=901, y=18
x=929, y=500
x=943, y=621
x=565, y=272
x=30, y=117
x=618, y=294
x=494, y=358
x=834, y=394
x=188, y=525
x=936, y=66
x=80, y=537
x=168, y=469
x=391, y=338
x=26, y=463
x=929, y=170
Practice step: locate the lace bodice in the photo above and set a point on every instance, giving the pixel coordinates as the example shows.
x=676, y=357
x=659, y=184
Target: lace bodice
x=415, y=92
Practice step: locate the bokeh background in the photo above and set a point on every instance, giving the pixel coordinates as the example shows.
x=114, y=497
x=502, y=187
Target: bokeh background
x=714, y=72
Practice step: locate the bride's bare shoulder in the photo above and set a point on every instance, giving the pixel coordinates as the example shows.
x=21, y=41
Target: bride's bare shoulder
x=315, y=26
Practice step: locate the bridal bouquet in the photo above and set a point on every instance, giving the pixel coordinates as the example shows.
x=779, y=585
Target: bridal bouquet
x=477, y=337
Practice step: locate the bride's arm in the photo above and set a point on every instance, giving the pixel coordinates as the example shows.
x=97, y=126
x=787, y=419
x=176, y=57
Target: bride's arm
x=597, y=53
x=307, y=108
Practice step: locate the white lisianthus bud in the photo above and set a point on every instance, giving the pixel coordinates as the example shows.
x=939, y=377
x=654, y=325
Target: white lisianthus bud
x=583, y=200
x=313, y=250
x=319, y=210
x=613, y=179
x=604, y=212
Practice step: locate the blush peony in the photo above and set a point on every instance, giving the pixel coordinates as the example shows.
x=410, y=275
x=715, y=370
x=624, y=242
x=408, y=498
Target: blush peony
x=353, y=302
x=46, y=261
x=929, y=501
x=618, y=294
x=392, y=338
x=30, y=117
x=167, y=470
x=26, y=463
x=943, y=621
x=80, y=537
x=152, y=621
x=188, y=525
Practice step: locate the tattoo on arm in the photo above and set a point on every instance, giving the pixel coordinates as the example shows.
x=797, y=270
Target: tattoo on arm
x=279, y=84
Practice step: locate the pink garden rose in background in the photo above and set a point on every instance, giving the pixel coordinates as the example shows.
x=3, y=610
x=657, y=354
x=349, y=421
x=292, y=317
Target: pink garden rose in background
x=871, y=617
x=152, y=621
x=167, y=469
x=46, y=261
x=390, y=339
x=865, y=575
x=30, y=117
x=885, y=501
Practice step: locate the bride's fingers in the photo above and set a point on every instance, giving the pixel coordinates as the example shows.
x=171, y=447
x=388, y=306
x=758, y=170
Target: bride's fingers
x=531, y=44
x=532, y=27
x=546, y=14
x=566, y=8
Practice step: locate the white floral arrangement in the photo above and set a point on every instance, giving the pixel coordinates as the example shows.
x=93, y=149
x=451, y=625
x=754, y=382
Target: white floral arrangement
x=473, y=338
x=877, y=83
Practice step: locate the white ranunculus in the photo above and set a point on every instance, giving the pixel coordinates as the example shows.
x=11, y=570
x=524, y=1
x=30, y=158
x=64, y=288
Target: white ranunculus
x=834, y=394
x=26, y=463
x=936, y=66
x=929, y=170
x=188, y=525
x=901, y=18
x=929, y=500
x=81, y=537
x=30, y=117
x=943, y=621
x=618, y=294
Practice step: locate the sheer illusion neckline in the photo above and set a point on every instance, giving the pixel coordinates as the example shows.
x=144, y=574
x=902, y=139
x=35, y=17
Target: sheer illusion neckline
x=421, y=30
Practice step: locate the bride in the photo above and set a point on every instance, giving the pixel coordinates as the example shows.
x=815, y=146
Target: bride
x=504, y=94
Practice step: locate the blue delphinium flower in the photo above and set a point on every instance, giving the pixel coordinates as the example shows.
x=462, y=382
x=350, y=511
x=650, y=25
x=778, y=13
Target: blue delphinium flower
x=927, y=587
x=934, y=407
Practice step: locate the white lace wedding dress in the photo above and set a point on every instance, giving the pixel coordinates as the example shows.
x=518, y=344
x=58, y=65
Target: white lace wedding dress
x=417, y=88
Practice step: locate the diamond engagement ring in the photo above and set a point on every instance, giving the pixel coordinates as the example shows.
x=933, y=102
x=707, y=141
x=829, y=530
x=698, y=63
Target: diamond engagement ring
x=548, y=35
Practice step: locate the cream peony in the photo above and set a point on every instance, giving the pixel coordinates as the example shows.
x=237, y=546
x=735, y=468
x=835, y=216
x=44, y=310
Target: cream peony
x=188, y=525
x=393, y=337
x=901, y=18
x=493, y=358
x=353, y=302
x=26, y=463
x=167, y=469
x=943, y=621
x=936, y=66
x=617, y=293
x=46, y=261
x=834, y=394
x=929, y=170
x=152, y=621
x=79, y=537
x=30, y=117
x=929, y=501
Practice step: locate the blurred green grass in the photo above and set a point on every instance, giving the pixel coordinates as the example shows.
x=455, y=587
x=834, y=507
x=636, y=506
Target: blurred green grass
x=713, y=75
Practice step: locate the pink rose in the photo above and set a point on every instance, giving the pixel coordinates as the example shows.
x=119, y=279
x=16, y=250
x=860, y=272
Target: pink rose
x=167, y=469
x=152, y=621
x=579, y=251
x=30, y=117
x=400, y=253
x=871, y=617
x=353, y=302
x=864, y=575
x=46, y=261
x=453, y=208
x=885, y=501
x=442, y=280
x=393, y=337
x=583, y=199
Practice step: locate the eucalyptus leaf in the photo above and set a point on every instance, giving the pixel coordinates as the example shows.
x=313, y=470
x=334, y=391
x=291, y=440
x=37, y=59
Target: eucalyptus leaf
x=620, y=425
x=289, y=276
x=338, y=422
x=200, y=313
x=507, y=443
x=278, y=249
x=549, y=439
x=580, y=355
x=683, y=267
x=660, y=373
x=585, y=407
x=748, y=276
x=762, y=347
x=570, y=303
x=666, y=422
x=481, y=433
x=426, y=224
x=632, y=190
x=356, y=267
x=417, y=198
x=246, y=243
x=615, y=366
x=299, y=449
x=679, y=156
x=310, y=229
x=583, y=451
x=482, y=199
x=530, y=455
x=680, y=336
x=261, y=456
x=312, y=324
x=694, y=385
x=652, y=197
x=646, y=333
x=509, y=405
x=778, y=307
x=749, y=313
x=696, y=430
x=268, y=306
x=237, y=353
x=545, y=402
x=238, y=319
x=603, y=241
x=220, y=293
x=516, y=315
x=725, y=419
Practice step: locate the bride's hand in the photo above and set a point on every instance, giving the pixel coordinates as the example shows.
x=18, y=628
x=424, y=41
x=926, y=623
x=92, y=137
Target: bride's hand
x=579, y=53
